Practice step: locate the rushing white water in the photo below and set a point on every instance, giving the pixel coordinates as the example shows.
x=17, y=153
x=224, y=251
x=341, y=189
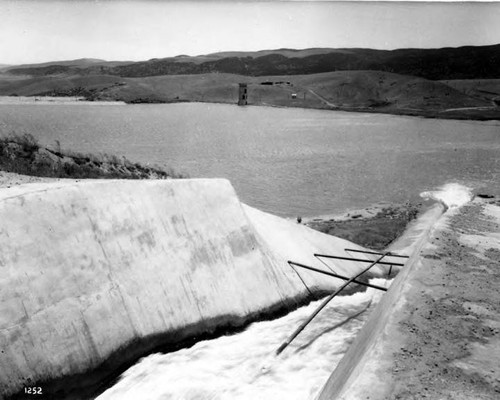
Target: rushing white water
x=243, y=366
x=453, y=195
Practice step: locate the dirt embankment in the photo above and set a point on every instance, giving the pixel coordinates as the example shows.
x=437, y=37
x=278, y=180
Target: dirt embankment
x=452, y=324
x=375, y=232
x=436, y=333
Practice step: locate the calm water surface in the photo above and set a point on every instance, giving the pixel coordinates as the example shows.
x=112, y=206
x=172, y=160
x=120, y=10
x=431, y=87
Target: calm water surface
x=286, y=161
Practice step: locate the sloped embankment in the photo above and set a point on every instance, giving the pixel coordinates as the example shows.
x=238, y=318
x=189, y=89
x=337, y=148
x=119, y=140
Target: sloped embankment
x=435, y=334
x=23, y=155
x=96, y=274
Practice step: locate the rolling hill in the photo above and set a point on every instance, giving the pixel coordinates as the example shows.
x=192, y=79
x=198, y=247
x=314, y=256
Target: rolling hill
x=346, y=90
x=437, y=64
x=444, y=83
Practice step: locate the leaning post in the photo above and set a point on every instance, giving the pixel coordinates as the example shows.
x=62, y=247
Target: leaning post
x=323, y=304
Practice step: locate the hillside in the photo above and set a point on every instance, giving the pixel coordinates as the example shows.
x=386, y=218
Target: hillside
x=385, y=90
x=62, y=85
x=485, y=89
x=23, y=155
x=371, y=91
x=81, y=62
x=444, y=83
x=470, y=62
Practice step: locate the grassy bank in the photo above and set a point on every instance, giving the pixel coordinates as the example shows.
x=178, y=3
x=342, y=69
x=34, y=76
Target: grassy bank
x=375, y=232
x=22, y=154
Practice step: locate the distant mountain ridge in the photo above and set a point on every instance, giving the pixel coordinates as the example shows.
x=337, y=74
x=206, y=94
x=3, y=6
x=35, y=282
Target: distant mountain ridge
x=78, y=63
x=469, y=62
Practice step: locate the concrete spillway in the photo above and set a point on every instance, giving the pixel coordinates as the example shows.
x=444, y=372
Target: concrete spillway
x=364, y=354
x=365, y=370
x=95, y=274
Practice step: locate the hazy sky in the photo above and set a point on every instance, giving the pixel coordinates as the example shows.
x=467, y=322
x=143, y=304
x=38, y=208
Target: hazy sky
x=43, y=30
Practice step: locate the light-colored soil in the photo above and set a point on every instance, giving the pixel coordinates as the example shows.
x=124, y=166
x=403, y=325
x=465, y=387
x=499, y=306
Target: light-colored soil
x=451, y=323
x=9, y=179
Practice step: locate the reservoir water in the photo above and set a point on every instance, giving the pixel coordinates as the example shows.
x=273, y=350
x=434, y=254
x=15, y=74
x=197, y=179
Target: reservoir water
x=285, y=161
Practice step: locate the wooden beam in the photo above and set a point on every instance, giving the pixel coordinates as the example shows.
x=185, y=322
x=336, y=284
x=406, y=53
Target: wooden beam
x=336, y=275
x=376, y=253
x=360, y=259
x=323, y=305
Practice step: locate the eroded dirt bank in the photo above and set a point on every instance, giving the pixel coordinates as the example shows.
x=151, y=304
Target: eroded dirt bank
x=442, y=340
x=452, y=324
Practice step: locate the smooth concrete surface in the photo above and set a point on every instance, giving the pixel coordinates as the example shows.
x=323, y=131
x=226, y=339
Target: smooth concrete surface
x=357, y=375
x=93, y=269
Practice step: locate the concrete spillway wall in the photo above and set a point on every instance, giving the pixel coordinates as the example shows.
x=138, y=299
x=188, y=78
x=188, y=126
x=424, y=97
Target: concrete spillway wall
x=358, y=375
x=94, y=274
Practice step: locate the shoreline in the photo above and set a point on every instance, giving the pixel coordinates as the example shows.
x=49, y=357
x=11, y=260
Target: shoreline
x=457, y=115
x=55, y=100
x=374, y=227
x=24, y=155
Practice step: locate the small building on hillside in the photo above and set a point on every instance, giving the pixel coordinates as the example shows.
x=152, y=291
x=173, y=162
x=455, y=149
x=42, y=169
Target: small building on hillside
x=243, y=95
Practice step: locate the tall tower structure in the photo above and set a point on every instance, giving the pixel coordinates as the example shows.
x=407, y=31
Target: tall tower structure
x=243, y=95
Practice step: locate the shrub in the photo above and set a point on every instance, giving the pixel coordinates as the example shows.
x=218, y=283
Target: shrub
x=26, y=140
x=23, y=154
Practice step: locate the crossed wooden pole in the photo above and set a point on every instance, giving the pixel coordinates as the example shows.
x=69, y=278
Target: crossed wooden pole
x=329, y=298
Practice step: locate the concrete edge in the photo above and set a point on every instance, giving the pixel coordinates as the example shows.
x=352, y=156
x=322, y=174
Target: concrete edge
x=349, y=368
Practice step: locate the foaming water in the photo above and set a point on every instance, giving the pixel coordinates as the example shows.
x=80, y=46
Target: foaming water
x=453, y=195
x=243, y=366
